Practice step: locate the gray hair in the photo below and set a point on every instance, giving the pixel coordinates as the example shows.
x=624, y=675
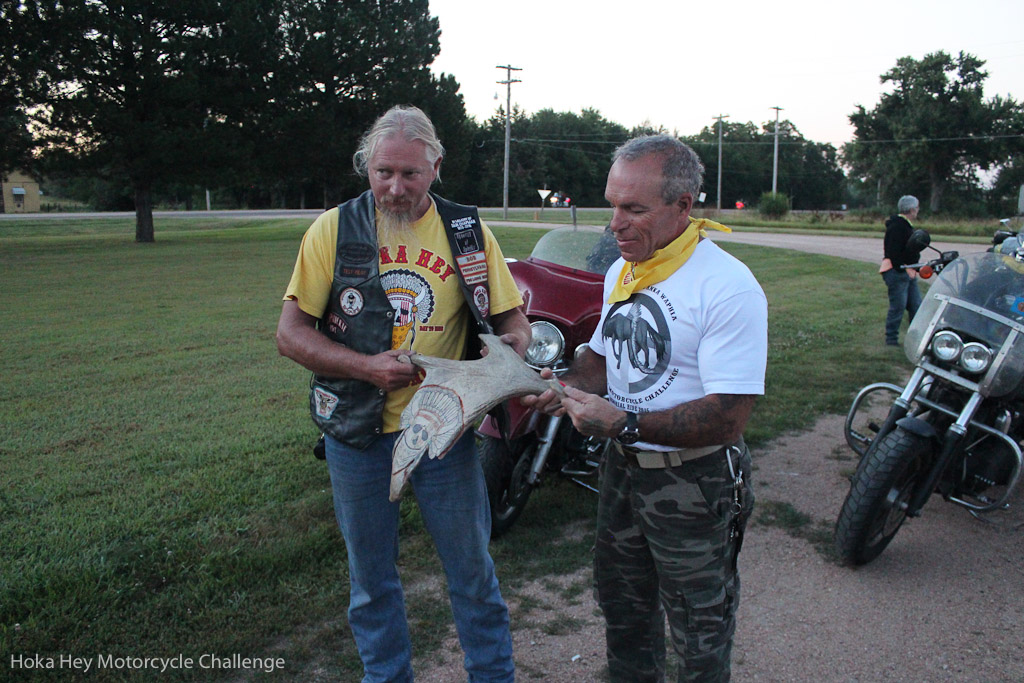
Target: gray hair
x=681, y=168
x=907, y=202
x=410, y=123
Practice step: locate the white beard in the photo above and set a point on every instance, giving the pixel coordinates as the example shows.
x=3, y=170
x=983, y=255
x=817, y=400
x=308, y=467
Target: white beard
x=391, y=226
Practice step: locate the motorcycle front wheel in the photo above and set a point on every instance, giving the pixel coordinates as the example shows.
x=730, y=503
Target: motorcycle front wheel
x=876, y=505
x=505, y=473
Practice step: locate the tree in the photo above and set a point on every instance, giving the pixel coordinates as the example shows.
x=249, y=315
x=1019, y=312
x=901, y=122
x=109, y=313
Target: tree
x=561, y=151
x=343, y=63
x=139, y=91
x=15, y=140
x=809, y=172
x=934, y=130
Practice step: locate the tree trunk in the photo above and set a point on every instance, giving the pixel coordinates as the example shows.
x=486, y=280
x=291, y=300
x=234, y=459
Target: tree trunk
x=143, y=214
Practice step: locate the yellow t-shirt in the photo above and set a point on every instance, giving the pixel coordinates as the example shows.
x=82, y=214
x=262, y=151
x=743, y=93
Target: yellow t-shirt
x=420, y=279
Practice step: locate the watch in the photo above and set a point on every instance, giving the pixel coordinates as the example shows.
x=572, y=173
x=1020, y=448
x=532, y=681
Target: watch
x=630, y=434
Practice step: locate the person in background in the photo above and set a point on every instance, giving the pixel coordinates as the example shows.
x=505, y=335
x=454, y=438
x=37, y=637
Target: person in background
x=901, y=282
x=394, y=271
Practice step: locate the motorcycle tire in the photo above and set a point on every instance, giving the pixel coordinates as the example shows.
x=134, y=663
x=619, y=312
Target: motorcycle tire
x=875, y=507
x=505, y=473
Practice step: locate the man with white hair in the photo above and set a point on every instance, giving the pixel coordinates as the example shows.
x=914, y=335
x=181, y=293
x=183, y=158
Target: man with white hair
x=394, y=271
x=901, y=283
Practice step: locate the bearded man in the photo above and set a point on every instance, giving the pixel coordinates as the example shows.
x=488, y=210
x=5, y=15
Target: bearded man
x=394, y=271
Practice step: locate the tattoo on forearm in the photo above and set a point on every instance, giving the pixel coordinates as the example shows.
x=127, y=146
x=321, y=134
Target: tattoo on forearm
x=714, y=419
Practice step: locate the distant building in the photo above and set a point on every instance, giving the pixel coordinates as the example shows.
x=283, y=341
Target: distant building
x=20, y=193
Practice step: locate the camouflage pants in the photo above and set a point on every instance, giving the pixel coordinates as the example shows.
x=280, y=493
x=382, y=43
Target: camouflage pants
x=666, y=544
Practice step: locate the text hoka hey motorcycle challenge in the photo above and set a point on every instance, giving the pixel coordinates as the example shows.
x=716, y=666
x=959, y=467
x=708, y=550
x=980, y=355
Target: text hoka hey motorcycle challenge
x=562, y=285
x=956, y=426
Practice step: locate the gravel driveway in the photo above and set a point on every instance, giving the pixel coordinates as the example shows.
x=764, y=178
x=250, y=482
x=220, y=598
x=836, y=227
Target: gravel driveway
x=945, y=601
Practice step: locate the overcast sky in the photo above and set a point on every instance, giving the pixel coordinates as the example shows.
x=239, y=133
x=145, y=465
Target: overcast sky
x=679, y=64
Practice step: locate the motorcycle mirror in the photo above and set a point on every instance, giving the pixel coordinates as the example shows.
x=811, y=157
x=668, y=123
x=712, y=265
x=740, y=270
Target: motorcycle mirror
x=926, y=272
x=919, y=239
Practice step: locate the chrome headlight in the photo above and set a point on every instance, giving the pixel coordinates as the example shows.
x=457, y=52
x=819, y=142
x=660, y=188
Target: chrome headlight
x=975, y=357
x=947, y=346
x=546, y=346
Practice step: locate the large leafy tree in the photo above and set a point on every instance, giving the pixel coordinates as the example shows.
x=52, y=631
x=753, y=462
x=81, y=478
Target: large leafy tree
x=933, y=131
x=143, y=92
x=263, y=97
x=15, y=141
x=343, y=63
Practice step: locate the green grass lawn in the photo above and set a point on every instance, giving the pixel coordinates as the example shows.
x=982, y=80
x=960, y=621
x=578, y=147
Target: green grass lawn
x=158, y=492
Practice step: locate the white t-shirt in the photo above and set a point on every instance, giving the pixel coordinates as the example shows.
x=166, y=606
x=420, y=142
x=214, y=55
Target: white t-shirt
x=704, y=330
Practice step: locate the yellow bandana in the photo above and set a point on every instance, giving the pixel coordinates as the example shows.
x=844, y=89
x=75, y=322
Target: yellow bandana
x=663, y=262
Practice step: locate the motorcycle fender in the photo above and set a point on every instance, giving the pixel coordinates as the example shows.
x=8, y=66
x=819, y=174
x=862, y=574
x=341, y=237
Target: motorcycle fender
x=521, y=421
x=916, y=425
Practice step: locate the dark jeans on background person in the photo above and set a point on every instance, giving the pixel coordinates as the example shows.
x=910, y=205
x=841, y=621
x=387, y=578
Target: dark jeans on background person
x=903, y=296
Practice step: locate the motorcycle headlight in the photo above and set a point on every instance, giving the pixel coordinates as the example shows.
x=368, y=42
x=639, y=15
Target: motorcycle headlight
x=975, y=357
x=947, y=345
x=546, y=346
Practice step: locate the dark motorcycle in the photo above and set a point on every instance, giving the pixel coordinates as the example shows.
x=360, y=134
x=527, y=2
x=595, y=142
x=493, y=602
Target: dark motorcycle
x=956, y=427
x=562, y=285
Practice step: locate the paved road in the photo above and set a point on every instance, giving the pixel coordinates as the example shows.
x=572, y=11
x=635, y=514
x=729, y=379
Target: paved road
x=867, y=249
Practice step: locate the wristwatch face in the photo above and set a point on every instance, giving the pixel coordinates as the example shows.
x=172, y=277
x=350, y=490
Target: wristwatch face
x=630, y=434
x=627, y=438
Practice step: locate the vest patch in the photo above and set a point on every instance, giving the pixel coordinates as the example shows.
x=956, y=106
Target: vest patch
x=335, y=324
x=463, y=223
x=356, y=252
x=350, y=271
x=466, y=240
x=481, y=299
x=325, y=402
x=473, y=267
x=351, y=301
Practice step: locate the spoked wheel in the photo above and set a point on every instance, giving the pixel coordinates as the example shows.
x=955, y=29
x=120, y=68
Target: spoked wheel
x=876, y=506
x=506, y=472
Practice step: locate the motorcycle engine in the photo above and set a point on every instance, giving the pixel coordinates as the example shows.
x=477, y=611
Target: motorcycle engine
x=988, y=463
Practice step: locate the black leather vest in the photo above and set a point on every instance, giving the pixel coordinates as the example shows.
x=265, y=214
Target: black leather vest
x=360, y=316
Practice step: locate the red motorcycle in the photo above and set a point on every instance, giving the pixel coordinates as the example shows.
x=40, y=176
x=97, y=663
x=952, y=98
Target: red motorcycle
x=562, y=285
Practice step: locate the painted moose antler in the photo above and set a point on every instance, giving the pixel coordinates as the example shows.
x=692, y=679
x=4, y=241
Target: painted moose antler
x=453, y=395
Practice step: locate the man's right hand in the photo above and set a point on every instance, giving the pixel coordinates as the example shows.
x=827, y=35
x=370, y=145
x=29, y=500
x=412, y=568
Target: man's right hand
x=392, y=370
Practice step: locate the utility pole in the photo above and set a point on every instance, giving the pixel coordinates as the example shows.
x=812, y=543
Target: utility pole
x=775, y=164
x=508, y=129
x=719, y=199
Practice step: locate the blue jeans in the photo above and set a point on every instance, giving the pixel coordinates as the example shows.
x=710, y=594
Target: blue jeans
x=452, y=499
x=903, y=296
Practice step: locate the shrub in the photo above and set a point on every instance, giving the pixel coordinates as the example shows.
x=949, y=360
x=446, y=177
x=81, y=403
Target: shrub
x=773, y=205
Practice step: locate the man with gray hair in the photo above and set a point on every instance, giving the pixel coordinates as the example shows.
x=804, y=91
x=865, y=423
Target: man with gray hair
x=680, y=352
x=901, y=282
x=394, y=271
